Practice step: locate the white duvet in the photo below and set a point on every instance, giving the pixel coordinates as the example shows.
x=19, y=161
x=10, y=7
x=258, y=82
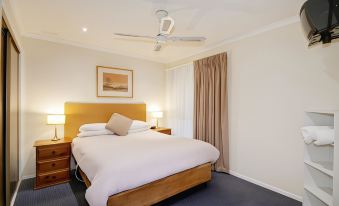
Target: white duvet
x=115, y=164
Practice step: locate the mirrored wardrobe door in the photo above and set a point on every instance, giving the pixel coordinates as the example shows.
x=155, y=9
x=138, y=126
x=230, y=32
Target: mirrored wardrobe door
x=10, y=65
x=2, y=121
x=13, y=113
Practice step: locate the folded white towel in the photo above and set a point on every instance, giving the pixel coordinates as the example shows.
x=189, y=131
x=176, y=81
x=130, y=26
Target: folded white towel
x=325, y=137
x=310, y=132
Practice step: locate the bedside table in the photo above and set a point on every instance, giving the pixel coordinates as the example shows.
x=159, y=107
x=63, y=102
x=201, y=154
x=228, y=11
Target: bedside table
x=163, y=130
x=52, y=162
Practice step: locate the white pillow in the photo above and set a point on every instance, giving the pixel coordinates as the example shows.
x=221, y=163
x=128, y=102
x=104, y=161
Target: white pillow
x=130, y=131
x=92, y=127
x=137, y=124
x=94, y=133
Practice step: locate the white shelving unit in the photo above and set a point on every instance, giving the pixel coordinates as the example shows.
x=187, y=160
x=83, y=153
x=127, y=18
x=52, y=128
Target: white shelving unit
x=321, y=163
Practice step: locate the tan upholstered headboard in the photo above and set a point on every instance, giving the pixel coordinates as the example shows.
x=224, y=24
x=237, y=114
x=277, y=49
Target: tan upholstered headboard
x=78, y=114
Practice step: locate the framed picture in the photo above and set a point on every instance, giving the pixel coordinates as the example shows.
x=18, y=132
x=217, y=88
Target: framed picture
x=114, y=82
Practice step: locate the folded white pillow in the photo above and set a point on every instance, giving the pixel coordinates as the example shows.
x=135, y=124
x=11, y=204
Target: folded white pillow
x=311, y=133
x=137, y=124
x=96, y=129
x=94, y=133
x=92, y=127
x=130, y=131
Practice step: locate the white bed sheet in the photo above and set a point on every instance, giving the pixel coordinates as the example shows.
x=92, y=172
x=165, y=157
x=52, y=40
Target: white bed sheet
x=115, y=164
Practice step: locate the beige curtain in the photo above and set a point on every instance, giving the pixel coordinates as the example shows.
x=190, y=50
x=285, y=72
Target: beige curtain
x=210, y=106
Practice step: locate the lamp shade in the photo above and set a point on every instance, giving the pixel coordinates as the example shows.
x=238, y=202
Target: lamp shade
x=56, y=119
x=157, y=114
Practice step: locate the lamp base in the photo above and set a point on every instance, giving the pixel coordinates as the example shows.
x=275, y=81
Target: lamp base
x=55, y=139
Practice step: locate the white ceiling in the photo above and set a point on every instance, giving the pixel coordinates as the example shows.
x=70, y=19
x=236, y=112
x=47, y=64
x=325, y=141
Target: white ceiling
x=217, y=20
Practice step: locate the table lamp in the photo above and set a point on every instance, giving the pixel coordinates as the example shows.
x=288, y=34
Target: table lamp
x=157, y=115
x=55, y=119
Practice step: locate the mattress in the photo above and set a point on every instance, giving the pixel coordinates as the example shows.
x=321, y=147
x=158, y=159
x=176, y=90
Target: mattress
x=115, y=164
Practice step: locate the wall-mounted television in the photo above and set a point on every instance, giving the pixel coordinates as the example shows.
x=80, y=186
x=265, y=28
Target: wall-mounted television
x=320, y=20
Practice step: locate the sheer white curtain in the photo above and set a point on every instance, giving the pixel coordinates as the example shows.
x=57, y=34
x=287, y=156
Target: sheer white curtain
x=179, y=100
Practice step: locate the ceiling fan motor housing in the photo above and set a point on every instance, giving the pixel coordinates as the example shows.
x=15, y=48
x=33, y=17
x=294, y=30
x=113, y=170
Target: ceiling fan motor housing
x=161, y=38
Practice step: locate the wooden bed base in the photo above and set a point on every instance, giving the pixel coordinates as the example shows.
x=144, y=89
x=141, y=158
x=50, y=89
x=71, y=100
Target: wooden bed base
x=159, y=190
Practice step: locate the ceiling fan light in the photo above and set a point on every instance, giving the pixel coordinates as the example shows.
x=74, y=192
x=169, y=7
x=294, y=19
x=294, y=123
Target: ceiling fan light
x=166, y=25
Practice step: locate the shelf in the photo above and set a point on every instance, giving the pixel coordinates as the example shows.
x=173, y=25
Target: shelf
x=325, y=167
x=322, y=111
x=324, y=194
x=321, y=163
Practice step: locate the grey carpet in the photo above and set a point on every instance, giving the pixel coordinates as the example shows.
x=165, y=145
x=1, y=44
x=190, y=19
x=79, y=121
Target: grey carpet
x=223, y=190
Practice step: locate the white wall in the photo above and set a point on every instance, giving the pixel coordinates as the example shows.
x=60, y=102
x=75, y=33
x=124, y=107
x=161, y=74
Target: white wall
x=55, y=73
x=273, y=78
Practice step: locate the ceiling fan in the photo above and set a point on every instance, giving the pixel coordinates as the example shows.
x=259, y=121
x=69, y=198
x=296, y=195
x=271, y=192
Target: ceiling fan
x=165, y=28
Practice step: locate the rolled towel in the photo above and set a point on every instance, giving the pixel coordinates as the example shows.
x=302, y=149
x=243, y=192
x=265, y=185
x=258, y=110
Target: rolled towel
x=325, y=137
x=310, y=132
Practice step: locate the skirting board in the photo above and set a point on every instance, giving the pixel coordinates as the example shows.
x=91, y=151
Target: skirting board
x=267, y=186
x=24, y=177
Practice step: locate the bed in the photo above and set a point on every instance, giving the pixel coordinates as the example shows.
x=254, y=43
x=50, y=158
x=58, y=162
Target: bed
x=138, y=169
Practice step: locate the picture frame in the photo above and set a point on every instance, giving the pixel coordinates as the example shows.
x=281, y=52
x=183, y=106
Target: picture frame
x=114, y=82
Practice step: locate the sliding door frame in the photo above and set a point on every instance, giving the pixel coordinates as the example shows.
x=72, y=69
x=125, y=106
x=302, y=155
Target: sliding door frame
x=2, y=124
x=5, y=195
x=10, y=100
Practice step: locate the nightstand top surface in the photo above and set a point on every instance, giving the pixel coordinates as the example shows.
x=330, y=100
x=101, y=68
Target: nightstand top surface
x=161, y=129
x=46, y=142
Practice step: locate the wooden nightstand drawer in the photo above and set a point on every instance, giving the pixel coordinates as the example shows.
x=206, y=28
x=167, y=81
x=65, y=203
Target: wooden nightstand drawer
x=52, y=152
x=52, y=178
x=48, y=166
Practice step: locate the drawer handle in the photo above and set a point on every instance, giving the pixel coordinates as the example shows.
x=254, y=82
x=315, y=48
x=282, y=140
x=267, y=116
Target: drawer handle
x=53, y=165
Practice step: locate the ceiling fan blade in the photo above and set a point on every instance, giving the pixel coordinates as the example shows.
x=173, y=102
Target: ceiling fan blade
x=188, y=38
x=157, y=47
x=134, y=35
